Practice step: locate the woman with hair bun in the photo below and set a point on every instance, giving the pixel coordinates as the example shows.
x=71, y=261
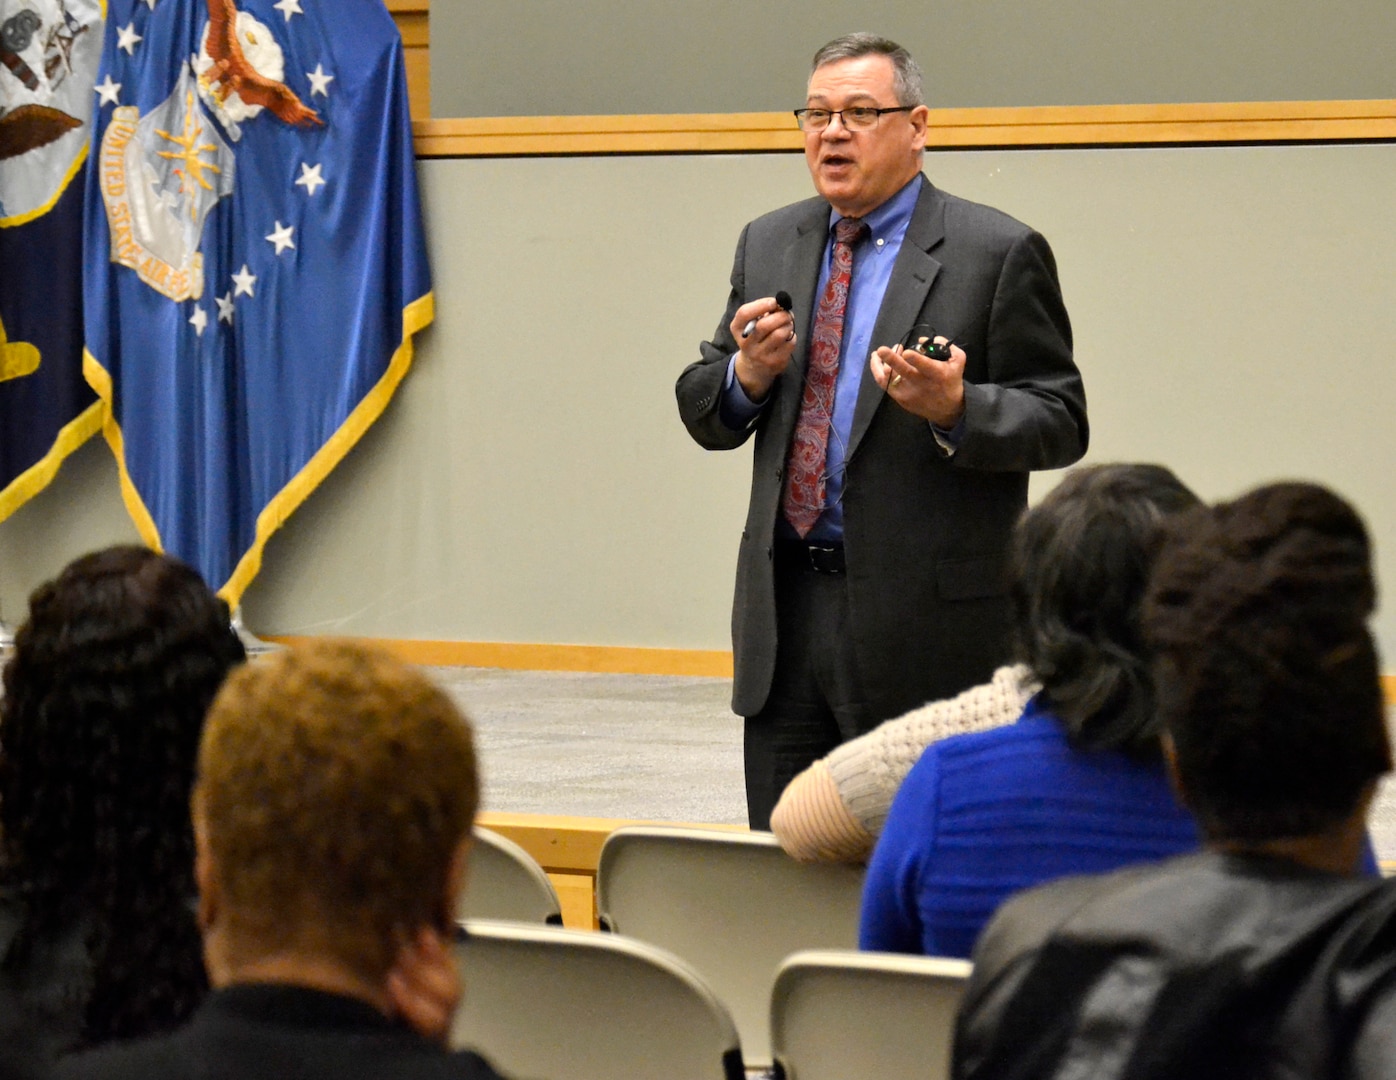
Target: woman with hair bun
x=1267, y=955
x=104, y=704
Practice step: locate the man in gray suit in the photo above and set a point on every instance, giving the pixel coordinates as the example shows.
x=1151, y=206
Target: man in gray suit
x=885, y=482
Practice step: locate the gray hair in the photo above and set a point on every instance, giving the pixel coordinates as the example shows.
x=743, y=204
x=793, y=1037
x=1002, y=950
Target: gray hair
x=906, y=72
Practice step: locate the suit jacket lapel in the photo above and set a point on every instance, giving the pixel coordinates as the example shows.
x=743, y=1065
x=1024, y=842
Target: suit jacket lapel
x=802, y=266
x=911, y=280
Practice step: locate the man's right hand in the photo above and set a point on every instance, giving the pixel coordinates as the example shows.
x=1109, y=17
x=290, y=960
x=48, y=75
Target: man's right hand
x=765, y=352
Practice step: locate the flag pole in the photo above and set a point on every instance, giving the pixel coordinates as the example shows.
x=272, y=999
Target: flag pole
x=254, y=645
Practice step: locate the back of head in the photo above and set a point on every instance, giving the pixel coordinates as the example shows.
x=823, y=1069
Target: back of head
x=1080, y=565
x=335, y=786
x=105, y=697
x=1268, y=675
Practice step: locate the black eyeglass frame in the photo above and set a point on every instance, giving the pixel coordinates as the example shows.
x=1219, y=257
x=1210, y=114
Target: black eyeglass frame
x=800, y=115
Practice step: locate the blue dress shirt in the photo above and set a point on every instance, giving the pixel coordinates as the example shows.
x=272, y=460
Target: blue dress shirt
x=873, y=259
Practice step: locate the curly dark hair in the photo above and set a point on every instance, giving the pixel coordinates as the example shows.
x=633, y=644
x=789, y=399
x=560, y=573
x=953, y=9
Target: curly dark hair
x=1268, y=675
x=105, y=698
x=1080, y=565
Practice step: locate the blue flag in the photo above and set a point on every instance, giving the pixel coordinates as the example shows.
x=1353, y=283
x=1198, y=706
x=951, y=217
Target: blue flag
x=255, y=263
x=50, y=50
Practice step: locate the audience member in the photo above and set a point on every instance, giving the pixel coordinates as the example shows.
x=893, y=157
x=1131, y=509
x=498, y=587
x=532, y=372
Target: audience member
x=332, y=814
x=105, y=698
x=1265, y=956
x=835, y=809
x=1077, y=784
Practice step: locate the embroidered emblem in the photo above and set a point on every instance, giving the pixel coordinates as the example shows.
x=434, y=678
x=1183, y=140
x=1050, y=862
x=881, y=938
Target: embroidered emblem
x=161, y=174
x=49, y=52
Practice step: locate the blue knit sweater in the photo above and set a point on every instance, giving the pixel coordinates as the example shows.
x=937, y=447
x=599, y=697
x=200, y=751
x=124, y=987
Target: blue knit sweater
x=981, y=816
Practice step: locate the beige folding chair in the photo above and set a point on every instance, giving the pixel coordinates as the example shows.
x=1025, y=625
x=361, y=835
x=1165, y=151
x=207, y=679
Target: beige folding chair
x=837, y=1014
x=551, y=1003
x=504, y=882
x=732, y=904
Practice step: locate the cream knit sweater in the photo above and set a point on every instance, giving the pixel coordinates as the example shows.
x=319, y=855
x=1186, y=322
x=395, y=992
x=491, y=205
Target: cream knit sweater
x=834, y=810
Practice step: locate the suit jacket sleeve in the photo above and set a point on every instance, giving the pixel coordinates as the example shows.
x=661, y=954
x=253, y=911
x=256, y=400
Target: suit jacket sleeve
x=699, y=387
x=1029, y=410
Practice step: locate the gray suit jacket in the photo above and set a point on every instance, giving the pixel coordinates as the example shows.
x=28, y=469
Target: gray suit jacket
x=925, y=534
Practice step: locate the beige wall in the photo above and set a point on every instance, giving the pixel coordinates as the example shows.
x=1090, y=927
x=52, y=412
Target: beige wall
x=568, y=57
x=1234, y=315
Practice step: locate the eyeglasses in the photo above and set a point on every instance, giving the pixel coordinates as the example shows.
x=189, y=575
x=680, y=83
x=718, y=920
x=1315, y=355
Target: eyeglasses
x=858, y=118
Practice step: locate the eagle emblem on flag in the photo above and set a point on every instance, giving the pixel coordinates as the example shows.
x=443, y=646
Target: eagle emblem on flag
x=254, y=260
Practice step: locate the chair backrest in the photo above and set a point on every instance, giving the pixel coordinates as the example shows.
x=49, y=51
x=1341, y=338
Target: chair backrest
x=546, y=1002
x=732, y=904
x=836, y=1014
x=504, y=882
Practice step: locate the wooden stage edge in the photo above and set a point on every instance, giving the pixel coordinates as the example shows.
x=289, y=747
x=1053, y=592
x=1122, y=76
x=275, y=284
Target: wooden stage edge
x=605, y=659
x=1054, y=126
x=568, y=848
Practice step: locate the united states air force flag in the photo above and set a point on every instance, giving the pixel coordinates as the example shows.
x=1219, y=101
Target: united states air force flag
x=255, y=265
x=49, y=51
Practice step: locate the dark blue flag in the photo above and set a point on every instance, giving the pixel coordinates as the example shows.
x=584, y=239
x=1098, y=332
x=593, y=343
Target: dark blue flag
x=49, y=50
x=255, y=264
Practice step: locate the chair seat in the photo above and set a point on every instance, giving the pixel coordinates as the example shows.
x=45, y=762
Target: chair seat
x=838, y=1013
x=730, y=903
x=505, y=882
x=548, y=1002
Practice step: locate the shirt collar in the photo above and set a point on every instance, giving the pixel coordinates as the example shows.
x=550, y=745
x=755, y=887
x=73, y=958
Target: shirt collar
x=299, y=1006
x=892, y=217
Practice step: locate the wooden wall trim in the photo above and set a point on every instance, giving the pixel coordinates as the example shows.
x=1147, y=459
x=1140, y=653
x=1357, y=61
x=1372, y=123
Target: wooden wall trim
x=413, y=19
x=519, y=656
x=1094, y=125
x=610, y=659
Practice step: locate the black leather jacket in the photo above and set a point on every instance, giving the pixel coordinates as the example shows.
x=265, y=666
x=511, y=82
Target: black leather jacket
x=1210, y=965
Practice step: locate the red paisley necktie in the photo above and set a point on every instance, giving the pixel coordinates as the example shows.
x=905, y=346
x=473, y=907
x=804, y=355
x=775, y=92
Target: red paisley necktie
x=803, y=498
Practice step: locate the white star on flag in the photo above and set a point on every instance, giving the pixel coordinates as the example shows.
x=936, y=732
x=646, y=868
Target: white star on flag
x=243, y=281
x=150, y=4
x=126, y=38
x=107, y=90
x=289, y=8
x=281, y=237
x=319, y=81
x=310, y=178
x=225, y=308
x=199, y=320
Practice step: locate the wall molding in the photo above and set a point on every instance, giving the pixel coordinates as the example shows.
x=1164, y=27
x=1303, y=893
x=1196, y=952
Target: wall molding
x=1055, y=126
x=521, y=656
x=608, y=659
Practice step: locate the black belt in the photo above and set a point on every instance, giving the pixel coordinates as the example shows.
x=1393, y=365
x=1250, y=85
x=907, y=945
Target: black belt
x=822, y=558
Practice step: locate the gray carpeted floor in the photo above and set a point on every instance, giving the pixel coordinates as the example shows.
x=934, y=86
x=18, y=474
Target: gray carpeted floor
x=658, y=748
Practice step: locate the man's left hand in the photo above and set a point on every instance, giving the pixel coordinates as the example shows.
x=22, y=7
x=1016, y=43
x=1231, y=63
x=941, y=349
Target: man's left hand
x=931, y=389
